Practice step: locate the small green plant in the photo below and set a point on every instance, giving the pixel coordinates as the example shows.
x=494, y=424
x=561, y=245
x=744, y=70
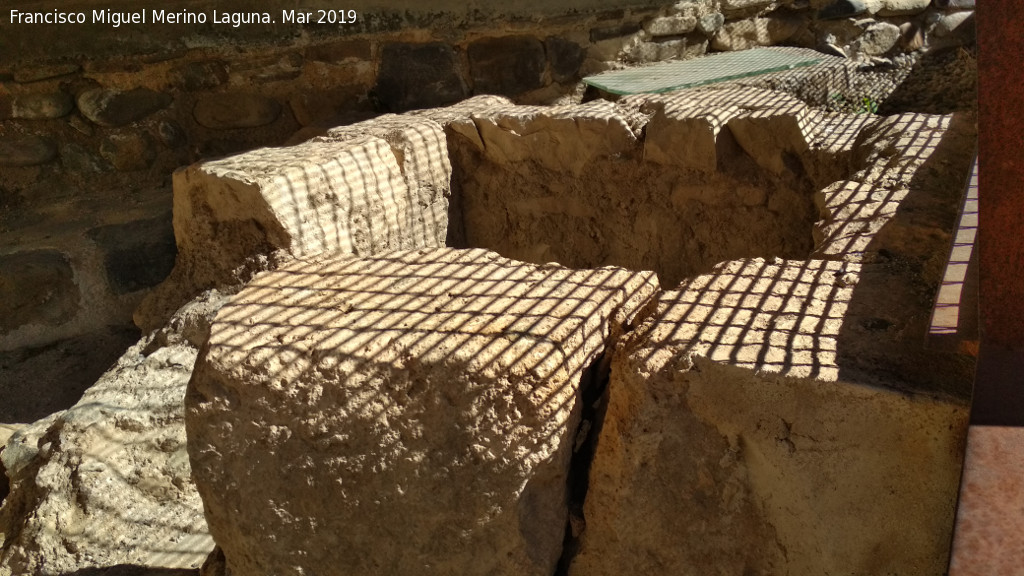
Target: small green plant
x=866, y=105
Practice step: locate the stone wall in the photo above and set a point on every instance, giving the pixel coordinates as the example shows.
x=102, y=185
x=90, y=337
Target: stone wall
x=774, y=415
x=95, y=118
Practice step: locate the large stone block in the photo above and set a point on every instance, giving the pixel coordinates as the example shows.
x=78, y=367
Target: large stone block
x=685, y=126
x=231, y=215
x=737, y=442
x=560, y=138
x=774, y=138
x=509, y=66
x=407, y=414
x=421, y=148
x=754, y=32
x=419, y=76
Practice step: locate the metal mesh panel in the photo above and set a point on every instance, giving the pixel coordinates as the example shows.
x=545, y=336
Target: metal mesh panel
x=668, y=76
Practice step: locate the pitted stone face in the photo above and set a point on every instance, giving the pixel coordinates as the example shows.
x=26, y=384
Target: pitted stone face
x=673, y=183
x=413, y=413
x=416, y=411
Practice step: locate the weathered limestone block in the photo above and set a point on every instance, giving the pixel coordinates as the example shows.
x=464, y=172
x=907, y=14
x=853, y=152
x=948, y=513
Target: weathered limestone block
x=890, y=153
x=903, y=7
x=420, y=146
x=833, y=146
x=878, y=39
x=470, y=106
x=896, y=217
x=565, y=57
x=735, y=442
x=107, y=482
x=684, y=126
x=672, y=25
x=231, y=215
x=413, y=413
x=681, y=48
x=772, y=136
x=559, y=138
x=754, y=32
x=743, y=4
x=854, y=213
x=953, y=23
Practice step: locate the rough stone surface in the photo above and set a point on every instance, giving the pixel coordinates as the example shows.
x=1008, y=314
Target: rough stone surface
x=421, y=149
x=955, y=4
x=903, y=7
x=414, y=413
x=42, y=106
x=673, y=25
x=754, y=32
x=773, y=136
x=565, y=57
x=36, y=287
x=952, y=23
x=517, y=133
x=878, y=38
x=684, y=127
x=231, y=216
x=895, y=215
x=137, y=254
x=200, y=75
x=733, y=440
x=711, y=23
x=843, y=9
x=676, y=48
x=107, y=482
x=27, y=151
x=117, y=108
x=128, y=152
x=508, y=66
x=463, y=110
x=419, y=76
x=27, y=74
x=743, y=4
x=546, y=184
x=232, y=110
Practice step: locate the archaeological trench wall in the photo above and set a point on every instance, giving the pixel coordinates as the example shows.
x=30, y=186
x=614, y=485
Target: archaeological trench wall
x=94, y=119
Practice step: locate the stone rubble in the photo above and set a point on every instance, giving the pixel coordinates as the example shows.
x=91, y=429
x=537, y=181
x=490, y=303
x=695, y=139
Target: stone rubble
x=108, y=482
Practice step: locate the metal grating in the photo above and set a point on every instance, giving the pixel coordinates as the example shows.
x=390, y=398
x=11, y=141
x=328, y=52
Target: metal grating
x=668, y=76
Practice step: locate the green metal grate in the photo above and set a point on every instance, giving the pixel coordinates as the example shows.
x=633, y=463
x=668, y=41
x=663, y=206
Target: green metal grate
x=668, y=76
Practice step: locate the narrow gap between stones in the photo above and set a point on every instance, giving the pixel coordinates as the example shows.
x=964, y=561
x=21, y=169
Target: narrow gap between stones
x=594, y=400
